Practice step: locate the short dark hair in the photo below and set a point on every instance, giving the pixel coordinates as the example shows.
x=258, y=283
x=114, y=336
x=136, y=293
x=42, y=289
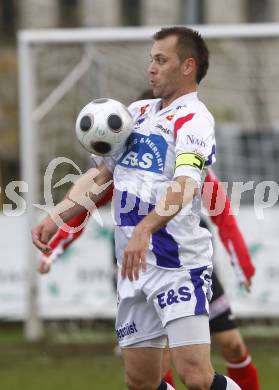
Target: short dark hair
x=189, y=44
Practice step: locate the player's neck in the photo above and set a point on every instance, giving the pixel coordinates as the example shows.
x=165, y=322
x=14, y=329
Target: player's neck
x=166, y=101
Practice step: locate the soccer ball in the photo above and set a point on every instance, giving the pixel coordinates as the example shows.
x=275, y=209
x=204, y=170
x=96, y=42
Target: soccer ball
x=103, y=126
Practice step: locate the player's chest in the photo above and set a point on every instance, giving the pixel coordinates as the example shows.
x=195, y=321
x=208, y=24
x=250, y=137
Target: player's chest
x=149, y=144
x=161, y=125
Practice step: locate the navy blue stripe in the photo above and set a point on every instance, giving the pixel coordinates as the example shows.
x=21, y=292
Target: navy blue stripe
x=210, y=157
x=198, y=283
x=129, y=211
x=165, y=249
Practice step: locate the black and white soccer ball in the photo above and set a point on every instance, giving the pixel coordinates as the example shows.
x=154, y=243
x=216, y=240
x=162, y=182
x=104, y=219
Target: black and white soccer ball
x=103, y=126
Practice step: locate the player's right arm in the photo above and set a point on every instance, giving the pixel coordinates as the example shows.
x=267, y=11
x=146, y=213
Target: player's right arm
x=84, y=194
x=63, y=238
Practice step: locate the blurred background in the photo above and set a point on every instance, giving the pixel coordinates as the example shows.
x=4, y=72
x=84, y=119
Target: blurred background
x=73, y=307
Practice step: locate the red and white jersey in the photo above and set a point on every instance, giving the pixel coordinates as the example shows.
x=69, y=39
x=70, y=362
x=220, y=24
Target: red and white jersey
x=216, y=199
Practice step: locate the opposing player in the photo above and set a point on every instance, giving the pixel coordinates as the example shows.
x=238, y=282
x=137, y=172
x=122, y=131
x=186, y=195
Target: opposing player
x=222, y=324
x=223, y=327
x=164, y=256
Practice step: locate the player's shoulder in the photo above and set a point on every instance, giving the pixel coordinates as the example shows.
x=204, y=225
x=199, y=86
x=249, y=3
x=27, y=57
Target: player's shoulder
x=140, y=107
x=199, y=113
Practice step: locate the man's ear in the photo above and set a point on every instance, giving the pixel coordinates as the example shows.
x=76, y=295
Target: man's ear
x=189, y=66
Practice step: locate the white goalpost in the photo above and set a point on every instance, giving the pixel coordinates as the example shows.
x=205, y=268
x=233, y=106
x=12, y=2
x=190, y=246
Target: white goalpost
x=61, y=69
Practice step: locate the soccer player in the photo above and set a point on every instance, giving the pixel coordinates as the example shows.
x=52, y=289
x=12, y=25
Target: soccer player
x=222, y=325
x=164, y=256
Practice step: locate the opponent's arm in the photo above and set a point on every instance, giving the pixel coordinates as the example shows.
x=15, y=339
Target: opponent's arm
x=178, y=195
x=84, y=194
x=61, y=240
x=228, y=229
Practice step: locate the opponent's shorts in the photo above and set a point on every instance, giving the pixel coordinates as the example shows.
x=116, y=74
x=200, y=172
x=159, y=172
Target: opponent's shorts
x=221, y=317
x=160, y=296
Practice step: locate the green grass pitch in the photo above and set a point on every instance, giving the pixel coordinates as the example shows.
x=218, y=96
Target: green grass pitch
x=92, y=365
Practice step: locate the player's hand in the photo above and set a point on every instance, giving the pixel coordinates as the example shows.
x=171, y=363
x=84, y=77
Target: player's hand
x=44, y=264
x=42, y=233
x=135, y=254
x=247, y=285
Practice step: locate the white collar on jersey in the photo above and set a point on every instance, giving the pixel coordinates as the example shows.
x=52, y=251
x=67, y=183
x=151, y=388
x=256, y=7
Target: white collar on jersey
x=181, y=99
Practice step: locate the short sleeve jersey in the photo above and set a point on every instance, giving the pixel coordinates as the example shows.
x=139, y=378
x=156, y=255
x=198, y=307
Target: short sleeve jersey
x=165, y=143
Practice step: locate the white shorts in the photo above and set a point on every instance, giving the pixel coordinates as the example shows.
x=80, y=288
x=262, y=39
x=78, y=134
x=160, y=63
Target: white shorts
x=159, y=296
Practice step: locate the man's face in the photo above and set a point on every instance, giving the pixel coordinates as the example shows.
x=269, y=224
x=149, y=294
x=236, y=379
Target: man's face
x=166, y=71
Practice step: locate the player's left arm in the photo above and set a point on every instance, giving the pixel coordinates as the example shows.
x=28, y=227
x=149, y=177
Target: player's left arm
x=215, y=198
x=192, y=154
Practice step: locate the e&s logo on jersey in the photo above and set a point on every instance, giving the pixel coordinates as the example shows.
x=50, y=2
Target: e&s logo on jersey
x=145, y=152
